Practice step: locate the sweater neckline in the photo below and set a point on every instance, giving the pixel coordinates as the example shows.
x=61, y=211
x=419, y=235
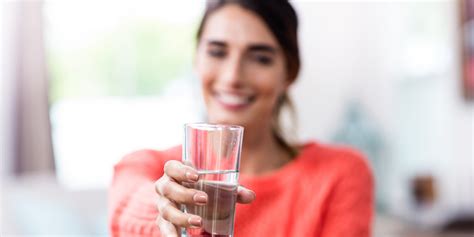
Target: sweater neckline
x=279, y=177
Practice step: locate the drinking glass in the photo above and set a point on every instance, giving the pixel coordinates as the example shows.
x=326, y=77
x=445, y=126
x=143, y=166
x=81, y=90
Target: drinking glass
x=214, y=151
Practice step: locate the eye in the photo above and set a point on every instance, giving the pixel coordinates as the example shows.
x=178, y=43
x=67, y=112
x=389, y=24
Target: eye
x=216, y=53
x=263, y=59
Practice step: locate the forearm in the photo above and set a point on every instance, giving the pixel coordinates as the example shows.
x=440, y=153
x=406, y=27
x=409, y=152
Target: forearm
x=132, y=210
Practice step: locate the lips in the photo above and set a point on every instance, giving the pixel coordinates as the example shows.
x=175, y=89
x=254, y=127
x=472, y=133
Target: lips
x=234, y=101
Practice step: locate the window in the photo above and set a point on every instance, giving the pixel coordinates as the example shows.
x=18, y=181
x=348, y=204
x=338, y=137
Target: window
x=120, y=80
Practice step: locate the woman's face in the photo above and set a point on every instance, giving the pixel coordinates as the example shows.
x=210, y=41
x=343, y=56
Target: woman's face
x=241, y=67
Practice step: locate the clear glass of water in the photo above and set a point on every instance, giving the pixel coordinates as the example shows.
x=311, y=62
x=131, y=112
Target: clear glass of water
x=214, y=151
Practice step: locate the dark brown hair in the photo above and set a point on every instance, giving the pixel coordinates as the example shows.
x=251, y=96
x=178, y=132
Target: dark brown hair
x=281, y=19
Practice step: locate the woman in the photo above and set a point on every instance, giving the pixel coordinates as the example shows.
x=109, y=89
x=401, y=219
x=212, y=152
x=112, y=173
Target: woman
x=247, y=57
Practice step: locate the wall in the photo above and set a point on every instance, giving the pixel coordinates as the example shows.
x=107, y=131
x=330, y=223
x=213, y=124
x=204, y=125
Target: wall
x=6, y=105
x=6, y=86
x=400, y=61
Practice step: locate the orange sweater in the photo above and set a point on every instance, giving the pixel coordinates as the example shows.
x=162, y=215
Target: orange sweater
x=326, y=191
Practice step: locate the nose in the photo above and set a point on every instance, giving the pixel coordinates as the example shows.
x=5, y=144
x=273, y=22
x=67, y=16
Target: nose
x=232, y=72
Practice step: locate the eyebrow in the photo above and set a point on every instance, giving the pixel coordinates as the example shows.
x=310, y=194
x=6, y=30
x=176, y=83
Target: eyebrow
x=217, y=43
x=253, y=47
x=262, y=48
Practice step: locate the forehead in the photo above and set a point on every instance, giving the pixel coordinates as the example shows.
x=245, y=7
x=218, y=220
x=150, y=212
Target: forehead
x=237, y=26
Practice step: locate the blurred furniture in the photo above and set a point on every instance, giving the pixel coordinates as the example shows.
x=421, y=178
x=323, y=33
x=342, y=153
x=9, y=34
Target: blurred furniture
x=37, y=205
x=391, y=226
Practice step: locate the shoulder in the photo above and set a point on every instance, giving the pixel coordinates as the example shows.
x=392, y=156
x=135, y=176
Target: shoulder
x=336, y=161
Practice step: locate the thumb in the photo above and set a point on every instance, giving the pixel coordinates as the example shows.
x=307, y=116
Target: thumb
x=245, y=195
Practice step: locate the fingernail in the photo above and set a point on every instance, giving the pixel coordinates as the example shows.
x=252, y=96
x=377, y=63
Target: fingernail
x=249, y=191
x=195, y=220
x=192, y=176
x=253, y=193
x=200, y=198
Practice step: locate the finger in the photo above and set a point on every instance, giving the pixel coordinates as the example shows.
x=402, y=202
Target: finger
x=245, y=195
x=179, y=194
x=171, y=214
x=166, y=228
x=180, y=172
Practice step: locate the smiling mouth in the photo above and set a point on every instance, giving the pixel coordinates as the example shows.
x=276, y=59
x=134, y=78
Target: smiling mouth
x=234, y=101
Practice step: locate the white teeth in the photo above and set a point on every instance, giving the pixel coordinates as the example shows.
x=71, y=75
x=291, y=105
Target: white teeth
x=233, y=99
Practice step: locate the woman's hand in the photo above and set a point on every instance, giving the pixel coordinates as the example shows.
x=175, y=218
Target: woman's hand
x=171, y=194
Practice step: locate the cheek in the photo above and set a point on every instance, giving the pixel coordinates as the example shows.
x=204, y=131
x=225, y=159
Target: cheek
x=206, y=73
x=206, y=82
x=270, y=92
x=206, y=78
x=272, y=85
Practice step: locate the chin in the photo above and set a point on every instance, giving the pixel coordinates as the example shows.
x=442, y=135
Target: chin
x=227, y=121
x=224, y=117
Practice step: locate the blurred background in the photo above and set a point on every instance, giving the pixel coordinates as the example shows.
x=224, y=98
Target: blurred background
x=85, y=82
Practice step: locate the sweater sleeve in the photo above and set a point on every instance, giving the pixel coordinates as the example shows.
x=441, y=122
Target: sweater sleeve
x=349, y=212
x=132, y=197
